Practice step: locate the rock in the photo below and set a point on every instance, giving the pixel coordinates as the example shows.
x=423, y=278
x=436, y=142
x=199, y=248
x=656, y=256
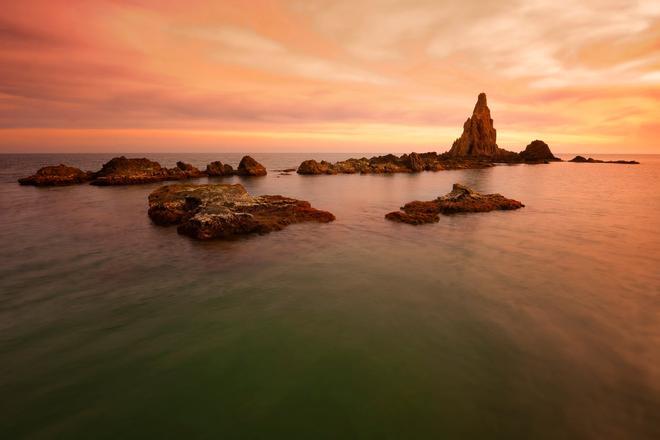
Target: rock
x=414, y=162
x=187, y=171
x=223, y=210
x=479, y=138
x=218, y=169
x=124, y=171
x=407, y=163
x=250, y=167
x=313, y=167
x=460, y=199
x=538, y=151
x=582, y=159
x=57, y=175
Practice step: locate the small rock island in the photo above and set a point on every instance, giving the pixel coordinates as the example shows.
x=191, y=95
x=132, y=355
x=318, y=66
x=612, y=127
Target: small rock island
x=124, y=171
x=215, y=211
x=460, y=199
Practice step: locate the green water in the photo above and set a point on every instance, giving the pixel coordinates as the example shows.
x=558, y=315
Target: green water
x=538, y=323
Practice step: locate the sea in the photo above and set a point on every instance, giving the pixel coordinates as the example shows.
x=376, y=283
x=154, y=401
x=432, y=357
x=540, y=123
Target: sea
x=539, y=323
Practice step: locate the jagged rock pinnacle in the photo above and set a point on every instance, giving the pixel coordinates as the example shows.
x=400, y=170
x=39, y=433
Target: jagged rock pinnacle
x=479, y=138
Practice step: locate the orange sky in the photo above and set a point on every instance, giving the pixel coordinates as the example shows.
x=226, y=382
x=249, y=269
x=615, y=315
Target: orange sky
x=326, y=75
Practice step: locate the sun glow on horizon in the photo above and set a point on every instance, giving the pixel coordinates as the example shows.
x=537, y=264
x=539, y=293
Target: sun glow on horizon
x=296, y=75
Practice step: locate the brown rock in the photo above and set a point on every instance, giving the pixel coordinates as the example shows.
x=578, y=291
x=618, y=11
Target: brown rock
x=582, y=159
x=187, y=171
x=57, y=175
x=250, y=167
x=479, y=138
x=538, y=151
x=218, y=169
x=460, y=199
x=124, y=171
x=223, y=210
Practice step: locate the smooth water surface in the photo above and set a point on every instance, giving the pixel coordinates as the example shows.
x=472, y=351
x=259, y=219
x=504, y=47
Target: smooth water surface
x=537, y=323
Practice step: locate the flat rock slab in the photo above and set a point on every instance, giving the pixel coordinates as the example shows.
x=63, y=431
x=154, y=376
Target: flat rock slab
x=223, y=210
x=460, y=199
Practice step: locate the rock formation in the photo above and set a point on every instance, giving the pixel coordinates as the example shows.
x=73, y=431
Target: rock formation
x=479, y=138
x=250, y=167
x=582, y=159
x=223, y=210
x=538, y=151
x=407, y=163
x=124, y=171
x=218, y=169
x=57, y=175
x=460, y=199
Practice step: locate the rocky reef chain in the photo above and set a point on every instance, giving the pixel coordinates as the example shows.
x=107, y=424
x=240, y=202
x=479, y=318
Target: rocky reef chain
x=130, y=171
x=223, y=210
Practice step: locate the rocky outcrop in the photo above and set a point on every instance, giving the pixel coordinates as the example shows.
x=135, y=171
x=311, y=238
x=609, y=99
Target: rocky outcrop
x=223, y=210
x=538, y=151
x=582, y=159
x=57, y=175
x=479, y=138
x=124, y=171
x=218, y=169
x=407, y=163
x=460, y=199
x=250, y=167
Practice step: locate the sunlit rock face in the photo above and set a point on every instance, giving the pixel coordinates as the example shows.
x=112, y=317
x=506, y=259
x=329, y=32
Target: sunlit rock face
x=479, y=138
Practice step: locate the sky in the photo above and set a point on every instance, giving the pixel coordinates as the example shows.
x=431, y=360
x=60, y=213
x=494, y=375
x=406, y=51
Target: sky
x=326, y=75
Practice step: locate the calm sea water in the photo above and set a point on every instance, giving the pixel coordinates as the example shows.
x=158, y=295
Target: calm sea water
x=537, y=323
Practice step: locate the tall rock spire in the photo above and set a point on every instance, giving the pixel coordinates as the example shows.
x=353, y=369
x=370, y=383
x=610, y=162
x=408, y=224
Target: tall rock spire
x=479, y=138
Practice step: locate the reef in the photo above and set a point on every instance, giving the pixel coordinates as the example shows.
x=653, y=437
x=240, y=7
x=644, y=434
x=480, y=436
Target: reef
x=215, y=211
x=460, y=199
x=476, y=148
x=130, y=171
x=582, y=159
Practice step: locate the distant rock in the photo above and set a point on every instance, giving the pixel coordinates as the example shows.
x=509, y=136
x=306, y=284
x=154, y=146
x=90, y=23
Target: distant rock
x=57, y=175
x=460, y=199
x=222, y=210
x=250, y=167
x=582, y=159
x=124, y=171
x=479, y=138
x=538, y=151
x=389, y=163
x=218, y=169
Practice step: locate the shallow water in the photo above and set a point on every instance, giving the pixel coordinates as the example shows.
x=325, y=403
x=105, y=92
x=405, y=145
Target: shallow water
x=537, y=323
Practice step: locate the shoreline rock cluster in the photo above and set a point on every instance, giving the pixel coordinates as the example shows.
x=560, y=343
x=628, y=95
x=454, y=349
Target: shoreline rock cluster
x=460, y=199
x=215, y=211
x=124, y=171
x=475, y=148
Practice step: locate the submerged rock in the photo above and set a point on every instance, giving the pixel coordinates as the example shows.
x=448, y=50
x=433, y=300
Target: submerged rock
x=124, y=171
x=57, y=175
x=250, y=167
x=218, y=169
x=223, y=210
x=582, y=159
x=479, y=138
x=538, y=151
x=460, y=199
